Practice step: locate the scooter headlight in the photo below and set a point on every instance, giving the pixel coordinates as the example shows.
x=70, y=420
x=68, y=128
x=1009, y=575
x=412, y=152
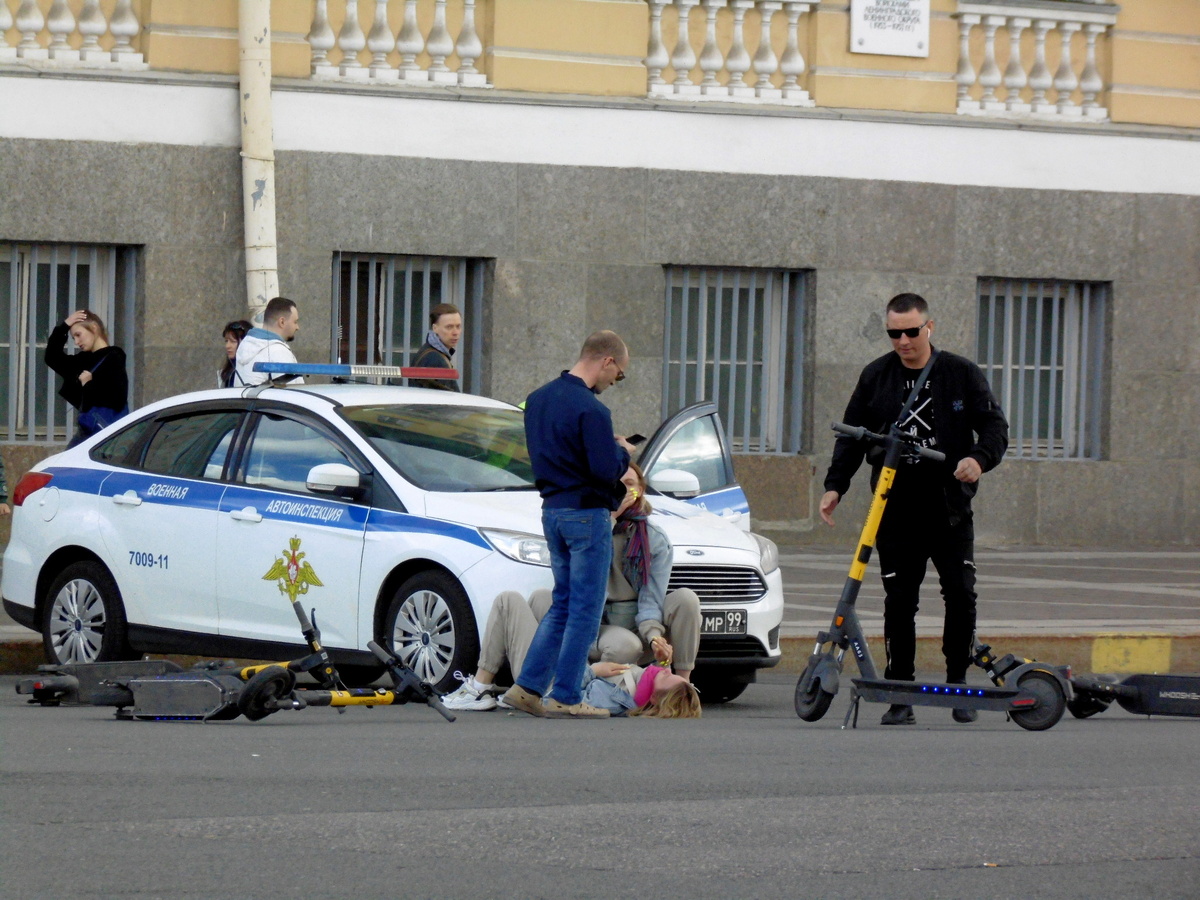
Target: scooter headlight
x=518, y=545
x=770, y=553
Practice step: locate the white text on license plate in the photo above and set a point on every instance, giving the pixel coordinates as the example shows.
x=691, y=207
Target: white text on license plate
x=726, y=621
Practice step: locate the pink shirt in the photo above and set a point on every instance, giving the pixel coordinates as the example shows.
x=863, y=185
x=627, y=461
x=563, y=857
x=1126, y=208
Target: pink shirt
x=645, y=685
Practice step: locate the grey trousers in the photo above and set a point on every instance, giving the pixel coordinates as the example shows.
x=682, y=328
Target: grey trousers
x=681, y=612
x=509, y=630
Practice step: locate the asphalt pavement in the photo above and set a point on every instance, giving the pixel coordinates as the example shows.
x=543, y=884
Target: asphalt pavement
x=748, y=801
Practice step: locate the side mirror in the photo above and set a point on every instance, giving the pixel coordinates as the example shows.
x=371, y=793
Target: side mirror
x=675, y=483
x=333, y=478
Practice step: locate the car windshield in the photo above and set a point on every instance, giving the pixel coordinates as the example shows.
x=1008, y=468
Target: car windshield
x=449, y=448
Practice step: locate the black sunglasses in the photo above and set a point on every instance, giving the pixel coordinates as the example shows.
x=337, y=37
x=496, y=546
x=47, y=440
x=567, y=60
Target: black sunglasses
x=894, y=333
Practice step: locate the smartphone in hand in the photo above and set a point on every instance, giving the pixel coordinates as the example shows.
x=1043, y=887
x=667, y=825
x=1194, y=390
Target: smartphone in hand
x=636, y=439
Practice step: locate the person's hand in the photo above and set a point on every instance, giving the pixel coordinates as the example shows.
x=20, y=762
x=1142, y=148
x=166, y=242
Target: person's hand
x=5, y=509
x=629, y=448
x=663, y=651
x=85, y=376
x=605, y=669
x=80, y=315
x=829, y=503
x=968, y=470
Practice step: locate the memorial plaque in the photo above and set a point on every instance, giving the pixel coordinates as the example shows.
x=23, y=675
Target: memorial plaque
x=890, y=27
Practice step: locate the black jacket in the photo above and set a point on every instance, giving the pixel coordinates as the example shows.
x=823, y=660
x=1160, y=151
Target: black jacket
x=109, y=387
x=967, y=421
x=430, y=357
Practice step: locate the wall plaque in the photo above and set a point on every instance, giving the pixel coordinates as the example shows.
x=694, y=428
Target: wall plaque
x=890, y=27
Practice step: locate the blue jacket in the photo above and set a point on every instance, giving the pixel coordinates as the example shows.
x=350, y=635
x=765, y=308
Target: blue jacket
x=577, y=464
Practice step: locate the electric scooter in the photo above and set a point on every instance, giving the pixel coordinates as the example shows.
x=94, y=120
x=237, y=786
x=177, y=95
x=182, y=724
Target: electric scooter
x=1144, y=695
x=1033, y=694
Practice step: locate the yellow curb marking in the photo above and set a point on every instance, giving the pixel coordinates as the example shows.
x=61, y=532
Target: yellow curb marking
x=1127, y=653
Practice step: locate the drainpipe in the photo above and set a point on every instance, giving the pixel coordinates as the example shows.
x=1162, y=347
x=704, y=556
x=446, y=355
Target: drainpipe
x=258, y=155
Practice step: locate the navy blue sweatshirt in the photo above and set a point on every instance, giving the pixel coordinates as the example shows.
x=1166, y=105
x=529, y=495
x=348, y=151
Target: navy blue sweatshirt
x=577, y=463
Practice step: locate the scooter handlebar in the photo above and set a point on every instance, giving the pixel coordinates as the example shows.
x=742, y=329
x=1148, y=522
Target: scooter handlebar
x=937, y=455
x=406, y=678
x=858, y=433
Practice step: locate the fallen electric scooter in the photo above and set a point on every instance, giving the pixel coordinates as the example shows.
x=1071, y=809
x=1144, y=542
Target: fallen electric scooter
x=1033, y=694
x=1143, y=695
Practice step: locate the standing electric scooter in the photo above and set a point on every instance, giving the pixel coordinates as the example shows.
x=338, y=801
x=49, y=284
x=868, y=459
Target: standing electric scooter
x=1033, y=694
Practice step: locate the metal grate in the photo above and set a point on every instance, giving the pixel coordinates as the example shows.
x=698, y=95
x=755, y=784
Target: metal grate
x=40, y=285
x=720, y=584
x=381, y=309
x=737, y=337
x=1041, y=345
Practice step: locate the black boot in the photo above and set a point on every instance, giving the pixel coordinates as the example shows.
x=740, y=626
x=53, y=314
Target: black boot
x=963, y=716
x=898, y=714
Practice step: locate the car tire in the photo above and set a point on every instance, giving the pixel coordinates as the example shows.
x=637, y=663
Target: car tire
x=716, y=689
x=83, y=619
x=430, y=626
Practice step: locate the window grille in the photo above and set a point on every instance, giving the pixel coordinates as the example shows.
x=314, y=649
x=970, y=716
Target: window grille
x=381, y=309
x=40, y=286
x=737, y=337
x=1041, y=344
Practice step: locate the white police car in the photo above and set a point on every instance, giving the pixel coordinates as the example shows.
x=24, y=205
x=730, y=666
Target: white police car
x=398, y=513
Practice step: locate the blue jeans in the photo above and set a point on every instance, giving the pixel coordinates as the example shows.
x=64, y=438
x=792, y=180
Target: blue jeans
x=580, y=554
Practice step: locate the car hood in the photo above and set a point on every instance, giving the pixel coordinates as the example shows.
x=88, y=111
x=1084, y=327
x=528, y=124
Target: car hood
x=685, y=525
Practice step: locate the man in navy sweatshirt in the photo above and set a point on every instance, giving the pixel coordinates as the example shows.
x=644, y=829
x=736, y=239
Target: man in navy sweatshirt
x=578, y=463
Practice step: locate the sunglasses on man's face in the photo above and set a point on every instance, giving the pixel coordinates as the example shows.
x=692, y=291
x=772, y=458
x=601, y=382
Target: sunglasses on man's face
x=895, y=333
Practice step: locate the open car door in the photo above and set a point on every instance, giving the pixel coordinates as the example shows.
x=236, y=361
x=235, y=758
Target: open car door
x=693, y=441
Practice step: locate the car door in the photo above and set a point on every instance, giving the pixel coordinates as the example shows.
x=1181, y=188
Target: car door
x=159, y=520
x=277, y=539
x=694, y=441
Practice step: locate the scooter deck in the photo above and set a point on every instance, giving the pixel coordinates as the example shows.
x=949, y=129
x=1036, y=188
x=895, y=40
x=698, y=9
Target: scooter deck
x=925, y=693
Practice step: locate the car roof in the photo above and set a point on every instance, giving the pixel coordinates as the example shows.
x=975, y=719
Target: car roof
x=309, y=395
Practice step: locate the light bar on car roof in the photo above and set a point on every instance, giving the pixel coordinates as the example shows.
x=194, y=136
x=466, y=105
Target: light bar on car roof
x=335, y=370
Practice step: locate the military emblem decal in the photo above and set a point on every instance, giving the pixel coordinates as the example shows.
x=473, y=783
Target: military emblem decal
x=293, y=572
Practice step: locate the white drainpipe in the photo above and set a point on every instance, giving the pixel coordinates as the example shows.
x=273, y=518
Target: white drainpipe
x=258, y=154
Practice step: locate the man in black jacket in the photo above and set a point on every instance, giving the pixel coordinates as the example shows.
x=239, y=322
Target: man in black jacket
x=928, y=516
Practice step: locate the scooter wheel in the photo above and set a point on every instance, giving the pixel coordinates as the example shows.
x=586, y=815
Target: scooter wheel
x=256, y=700
x=812, y=703
x=1050, y=706
x=1083, y=706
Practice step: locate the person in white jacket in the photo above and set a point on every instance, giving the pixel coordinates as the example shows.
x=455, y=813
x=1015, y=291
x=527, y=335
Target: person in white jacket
x=281, y=321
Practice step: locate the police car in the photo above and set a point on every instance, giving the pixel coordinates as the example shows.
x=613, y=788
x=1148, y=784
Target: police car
x=396, y=514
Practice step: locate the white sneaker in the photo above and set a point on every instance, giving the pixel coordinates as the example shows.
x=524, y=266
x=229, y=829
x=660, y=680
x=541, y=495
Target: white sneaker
x=468, y=697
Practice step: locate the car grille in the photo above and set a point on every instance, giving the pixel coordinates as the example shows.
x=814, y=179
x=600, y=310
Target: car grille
x=721, y=647
x=720, y=584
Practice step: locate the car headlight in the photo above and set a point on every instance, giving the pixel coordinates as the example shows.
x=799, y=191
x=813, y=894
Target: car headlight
x=770, y=553
x=518, y=545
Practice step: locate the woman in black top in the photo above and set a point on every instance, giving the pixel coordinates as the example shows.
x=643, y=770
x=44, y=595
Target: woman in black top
x=232, y=334
x=94, y=379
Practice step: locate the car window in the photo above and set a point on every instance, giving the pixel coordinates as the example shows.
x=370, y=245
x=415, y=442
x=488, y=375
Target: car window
x=282, y=452
x=116, y=450
x=695, y=448
x=449, y=448
x=192, y=446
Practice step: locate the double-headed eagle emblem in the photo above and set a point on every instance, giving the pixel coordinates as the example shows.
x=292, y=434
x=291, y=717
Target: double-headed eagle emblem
x=294, y=574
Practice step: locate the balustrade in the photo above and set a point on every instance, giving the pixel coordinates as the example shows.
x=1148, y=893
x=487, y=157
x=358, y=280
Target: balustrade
x=1026, y=92
x=718, y=66
x=73, y=33
x=412, y=55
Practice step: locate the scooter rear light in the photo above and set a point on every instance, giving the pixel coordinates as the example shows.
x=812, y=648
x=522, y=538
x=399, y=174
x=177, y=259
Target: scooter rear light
x=29, y=483
x=1023, y=702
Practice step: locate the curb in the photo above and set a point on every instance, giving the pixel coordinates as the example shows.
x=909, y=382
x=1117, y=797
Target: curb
x=1116, y=654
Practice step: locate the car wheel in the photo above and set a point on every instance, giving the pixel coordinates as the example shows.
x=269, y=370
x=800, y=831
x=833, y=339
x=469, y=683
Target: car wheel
x=430, y=626
x=84, y=619
x=715, y=689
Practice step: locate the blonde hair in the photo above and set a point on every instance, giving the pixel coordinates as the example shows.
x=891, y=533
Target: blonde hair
x=94, y=324
x=679, y=702
x=643, y=502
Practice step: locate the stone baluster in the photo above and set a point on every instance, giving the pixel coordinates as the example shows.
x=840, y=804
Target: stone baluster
x=440, y=45
x=965, y=76
x=6, y=22
x=350, y=41
x=683, y=57
x=1014, y=72
x=1065, y=81
x=1040, y=79
x=469, y=48
x=124, y=27
x=989, y=74
x=60, y=23
x=321, y=40
x=1090, y=81
x=30, y=21
x=737, y=62
x=791, y=64
x=657, y=57
x=410, y=43
x=766, y=63
x=92, y=25
x=381, y=42
x=711, y=59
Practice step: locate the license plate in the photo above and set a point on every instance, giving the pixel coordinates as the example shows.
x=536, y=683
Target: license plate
x=725, y=621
